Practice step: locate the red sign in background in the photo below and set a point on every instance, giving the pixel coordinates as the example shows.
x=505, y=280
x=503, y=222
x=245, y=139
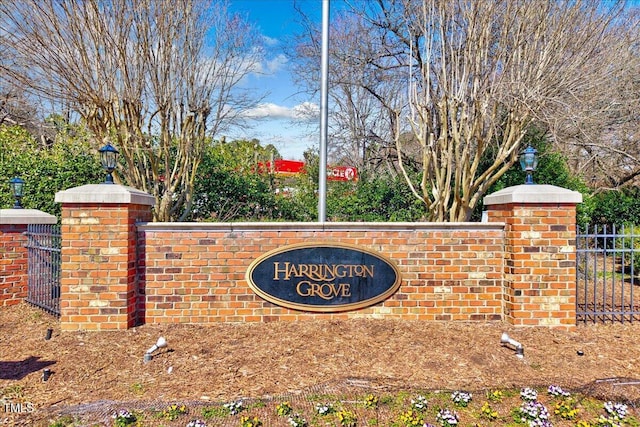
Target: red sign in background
x=342, y=173
x=283, y=166
x=292, y=167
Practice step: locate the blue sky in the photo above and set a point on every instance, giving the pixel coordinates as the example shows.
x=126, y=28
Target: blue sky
x=277, y=124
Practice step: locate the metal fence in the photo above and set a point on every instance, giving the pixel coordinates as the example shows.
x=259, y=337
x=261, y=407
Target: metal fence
x=608, y=271
x=43, y=245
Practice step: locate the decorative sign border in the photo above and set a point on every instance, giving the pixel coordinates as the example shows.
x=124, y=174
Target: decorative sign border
x=331, y=276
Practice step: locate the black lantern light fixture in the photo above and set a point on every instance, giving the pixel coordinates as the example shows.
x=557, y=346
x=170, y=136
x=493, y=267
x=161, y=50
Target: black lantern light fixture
x=17, y=187
x=529, y=163
x=109, y=160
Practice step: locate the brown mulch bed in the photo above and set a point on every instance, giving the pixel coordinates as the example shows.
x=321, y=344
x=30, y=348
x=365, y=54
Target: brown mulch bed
x=229, y=361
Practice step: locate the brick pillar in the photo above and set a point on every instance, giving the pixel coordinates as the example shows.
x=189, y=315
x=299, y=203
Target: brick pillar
x=13, y=251
x=98, y=285
x=540, y=253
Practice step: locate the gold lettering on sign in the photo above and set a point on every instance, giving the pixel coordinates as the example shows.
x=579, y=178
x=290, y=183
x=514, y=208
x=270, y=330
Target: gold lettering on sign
x=320, y=272
x=325, y=273
x=326, y=291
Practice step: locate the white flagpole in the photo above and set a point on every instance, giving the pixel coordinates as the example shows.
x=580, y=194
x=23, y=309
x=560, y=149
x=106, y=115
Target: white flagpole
x=324, y=112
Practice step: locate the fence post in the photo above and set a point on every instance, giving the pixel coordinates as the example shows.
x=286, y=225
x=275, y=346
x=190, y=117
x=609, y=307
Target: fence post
x=14, y=253
x=540, y=253
x=99, y=286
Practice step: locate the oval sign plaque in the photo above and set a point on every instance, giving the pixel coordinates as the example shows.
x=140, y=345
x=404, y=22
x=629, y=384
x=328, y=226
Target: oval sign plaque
x=323, y=277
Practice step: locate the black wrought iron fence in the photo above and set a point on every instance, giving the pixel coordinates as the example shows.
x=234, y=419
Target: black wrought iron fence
x=608, y=271
x=43, y=268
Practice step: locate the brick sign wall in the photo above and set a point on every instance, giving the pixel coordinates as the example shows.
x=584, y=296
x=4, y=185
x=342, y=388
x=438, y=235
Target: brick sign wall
x=196, y=273
x=120, y=270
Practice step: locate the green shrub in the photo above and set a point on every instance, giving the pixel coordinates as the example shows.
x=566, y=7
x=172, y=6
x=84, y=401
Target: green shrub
x=68, y=163
x=616, y=207
x=629, y=242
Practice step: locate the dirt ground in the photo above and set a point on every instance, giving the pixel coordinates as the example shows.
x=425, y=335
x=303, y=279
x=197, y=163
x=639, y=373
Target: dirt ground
x=231, y=361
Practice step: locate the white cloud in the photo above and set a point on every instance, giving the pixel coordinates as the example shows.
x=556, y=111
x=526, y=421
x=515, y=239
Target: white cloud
x=301, y=112
x=270, y=41
x=268, y=110
x=307, y=110
x=276, y=64
x=269, y=67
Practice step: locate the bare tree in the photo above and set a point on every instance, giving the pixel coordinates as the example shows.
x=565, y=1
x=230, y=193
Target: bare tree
x=489, y=70
x=159, y=78
x=603, y=143
x=363, y=100
x=462, y=82
x=16, y=110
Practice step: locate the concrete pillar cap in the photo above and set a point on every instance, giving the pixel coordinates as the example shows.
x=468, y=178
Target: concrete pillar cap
x=533, y=193
x=25, y=216
x=105, y=193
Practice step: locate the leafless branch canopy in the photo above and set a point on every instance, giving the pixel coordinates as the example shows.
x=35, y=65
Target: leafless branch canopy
x=448, y=82
x=157, y=77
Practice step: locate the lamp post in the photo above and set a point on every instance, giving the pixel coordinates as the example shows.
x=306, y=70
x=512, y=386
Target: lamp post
x=109, y=160
x=529, y=163
x=17, y=187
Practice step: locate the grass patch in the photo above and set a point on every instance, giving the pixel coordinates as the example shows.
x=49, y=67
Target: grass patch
x=13, y=392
